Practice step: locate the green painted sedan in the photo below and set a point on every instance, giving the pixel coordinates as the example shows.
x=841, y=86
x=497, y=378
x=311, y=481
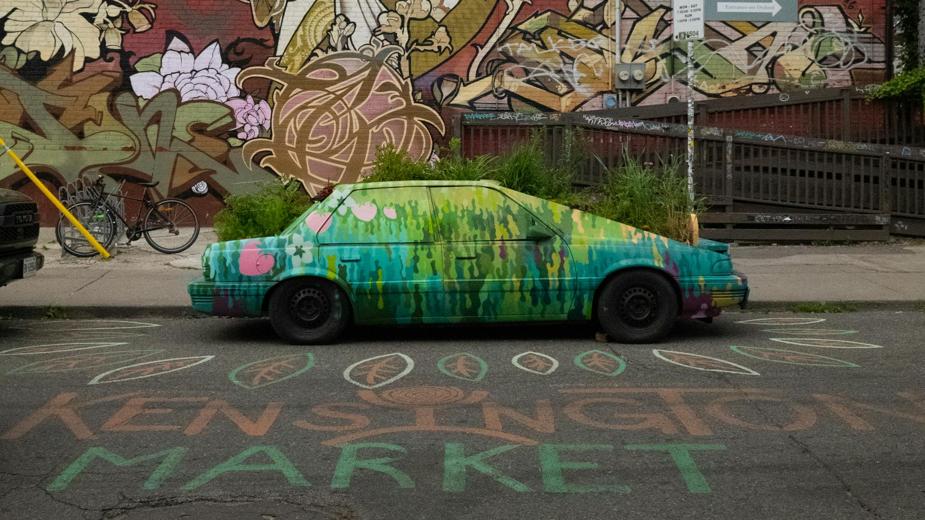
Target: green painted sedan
x=443, y=252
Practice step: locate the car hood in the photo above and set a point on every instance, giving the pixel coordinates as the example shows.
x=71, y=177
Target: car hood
x=7, y=196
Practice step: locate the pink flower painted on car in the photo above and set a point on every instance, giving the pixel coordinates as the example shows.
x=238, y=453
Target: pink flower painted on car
x=196, y=77
x=250, y=115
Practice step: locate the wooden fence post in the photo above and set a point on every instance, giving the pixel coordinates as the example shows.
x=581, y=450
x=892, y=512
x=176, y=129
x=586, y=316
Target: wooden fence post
x=728, y=163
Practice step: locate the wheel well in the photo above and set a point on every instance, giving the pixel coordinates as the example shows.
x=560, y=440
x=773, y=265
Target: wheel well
x=265, y=306
x=671, y=279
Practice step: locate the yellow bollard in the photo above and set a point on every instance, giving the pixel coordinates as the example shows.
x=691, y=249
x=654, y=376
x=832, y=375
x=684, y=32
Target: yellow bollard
x=54, y=200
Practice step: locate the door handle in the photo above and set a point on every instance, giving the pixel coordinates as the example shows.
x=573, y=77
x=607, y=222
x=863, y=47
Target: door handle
x=349, y=260
x=466, y=257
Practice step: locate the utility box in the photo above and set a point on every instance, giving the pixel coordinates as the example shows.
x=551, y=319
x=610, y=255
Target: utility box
x=630, y=76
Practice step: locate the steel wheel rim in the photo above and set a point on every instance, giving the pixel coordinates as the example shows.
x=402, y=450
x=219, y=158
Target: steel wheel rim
x=310, y=307
x=638, y=307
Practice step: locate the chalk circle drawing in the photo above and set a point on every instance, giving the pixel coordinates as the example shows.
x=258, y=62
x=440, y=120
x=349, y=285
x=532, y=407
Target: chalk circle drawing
x=705, y=363
x=791, y=357
x=782, y=321
x=149, y=369
x=535, y=363
x=601, y=362
x=379, y=371
x=825, y=343
x=83, y=361
x=811, y=332
x=272, y=370
x=105, y=325
x=57, y=348
x=463, y=365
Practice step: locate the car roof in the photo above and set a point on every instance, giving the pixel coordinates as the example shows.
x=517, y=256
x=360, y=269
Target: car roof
x=407, y=184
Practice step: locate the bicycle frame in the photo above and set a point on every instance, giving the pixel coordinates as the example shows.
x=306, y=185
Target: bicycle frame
x=134, y=230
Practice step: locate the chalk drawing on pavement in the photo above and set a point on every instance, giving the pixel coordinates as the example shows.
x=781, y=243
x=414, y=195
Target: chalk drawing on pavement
x=55, y=348
x=811, y=332
x=825, y=343
x=535, y=363
x=83, y=361
x=265, y=372
x=600, y=362
x=782, y=321
x=463, y=365
x=149, y=369
x=379, y=370
x=68, y=325
x=705, y=363
x=790, y=357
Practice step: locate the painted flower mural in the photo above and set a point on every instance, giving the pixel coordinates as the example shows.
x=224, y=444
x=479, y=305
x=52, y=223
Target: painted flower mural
x=299, y=251
x=252, y=116
x=202, y=76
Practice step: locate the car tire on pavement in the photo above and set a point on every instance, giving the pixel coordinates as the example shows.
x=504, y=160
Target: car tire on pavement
x=637, y=307
x=309, y=311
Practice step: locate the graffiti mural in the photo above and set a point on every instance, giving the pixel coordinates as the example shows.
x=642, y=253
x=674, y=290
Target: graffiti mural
x=236, y=93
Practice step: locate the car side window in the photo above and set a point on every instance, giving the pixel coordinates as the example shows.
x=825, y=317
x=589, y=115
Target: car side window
x=475, y=213
x=381, y=216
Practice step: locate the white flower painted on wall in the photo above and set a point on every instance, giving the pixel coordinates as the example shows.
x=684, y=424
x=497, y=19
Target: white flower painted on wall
x=197, y=77
x=50, y=27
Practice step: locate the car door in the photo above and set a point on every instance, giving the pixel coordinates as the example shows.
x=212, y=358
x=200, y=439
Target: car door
x=500, y=261
x=381, y=242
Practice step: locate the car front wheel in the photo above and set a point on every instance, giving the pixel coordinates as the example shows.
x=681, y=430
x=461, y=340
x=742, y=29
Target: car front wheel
x=307, y=311
x=637, y=307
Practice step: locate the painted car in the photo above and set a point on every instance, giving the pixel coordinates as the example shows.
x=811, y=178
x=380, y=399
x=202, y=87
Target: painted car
x=418, y=252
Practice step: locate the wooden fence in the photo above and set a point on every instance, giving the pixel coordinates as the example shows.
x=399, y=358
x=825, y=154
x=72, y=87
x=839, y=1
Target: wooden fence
x=739, y=171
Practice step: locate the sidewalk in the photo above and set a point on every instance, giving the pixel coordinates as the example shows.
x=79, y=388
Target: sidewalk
x=140, y=280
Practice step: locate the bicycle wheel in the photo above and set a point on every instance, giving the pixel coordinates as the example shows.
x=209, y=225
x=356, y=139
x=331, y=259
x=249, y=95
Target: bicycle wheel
x=171, y=226
x=98, y=220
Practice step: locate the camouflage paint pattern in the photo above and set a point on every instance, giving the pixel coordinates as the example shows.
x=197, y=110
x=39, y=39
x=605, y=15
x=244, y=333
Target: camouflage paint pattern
x=431, y=252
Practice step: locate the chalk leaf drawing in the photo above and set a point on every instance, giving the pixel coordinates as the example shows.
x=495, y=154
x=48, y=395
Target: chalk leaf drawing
x=601, y=362
x=705, y=363
x=811, y=332
x=103, y=325
x=83, y=361
x=782, y=321
x=463, y=366
x=790, y=357
x=379, y=371
x=272, y=370
x=825, y=343
x=149, y=369
x=54, y=348
x=535, y=363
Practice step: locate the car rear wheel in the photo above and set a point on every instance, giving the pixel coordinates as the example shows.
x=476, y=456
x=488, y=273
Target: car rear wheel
x=308, y=311
x=637, y=307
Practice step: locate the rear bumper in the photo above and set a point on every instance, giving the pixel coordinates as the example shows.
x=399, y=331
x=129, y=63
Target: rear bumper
x=14, y=267
x=228, y=298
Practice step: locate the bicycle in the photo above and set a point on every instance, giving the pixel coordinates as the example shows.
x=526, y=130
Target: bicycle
x=170, y=225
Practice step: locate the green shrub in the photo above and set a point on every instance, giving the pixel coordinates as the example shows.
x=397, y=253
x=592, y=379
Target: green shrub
x=265, y=212
x=395, y=165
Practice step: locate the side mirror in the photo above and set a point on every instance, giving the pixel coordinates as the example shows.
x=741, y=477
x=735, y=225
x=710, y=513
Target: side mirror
x=538, y=232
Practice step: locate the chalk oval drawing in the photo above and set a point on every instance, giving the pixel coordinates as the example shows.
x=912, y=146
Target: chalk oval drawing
x=811, y=332
x=463, y=365
x=705, y=363
x=782, y=321
x=379, y=370
x=149, y=369
x=825, y=343
x=265, y=372
x=601, y=362
x=83, y=361
x=114, y=325
x=535, y=363
x=57, y=348
x=791, y=357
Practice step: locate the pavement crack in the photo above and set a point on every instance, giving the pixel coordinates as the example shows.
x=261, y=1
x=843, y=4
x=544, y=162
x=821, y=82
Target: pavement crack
x=91, y=282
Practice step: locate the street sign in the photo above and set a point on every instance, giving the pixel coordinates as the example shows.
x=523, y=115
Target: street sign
x=688, y=19
x=752, y=10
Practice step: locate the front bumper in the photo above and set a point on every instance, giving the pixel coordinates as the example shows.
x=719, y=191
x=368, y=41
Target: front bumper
x=19, y=266
x=709, y=295
x=228, y=298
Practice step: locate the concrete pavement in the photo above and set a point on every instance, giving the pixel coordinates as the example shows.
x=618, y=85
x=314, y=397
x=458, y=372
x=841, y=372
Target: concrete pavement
x=138, y=279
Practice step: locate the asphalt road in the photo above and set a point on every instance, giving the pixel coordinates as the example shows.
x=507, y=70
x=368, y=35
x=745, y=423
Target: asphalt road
x=791, y=416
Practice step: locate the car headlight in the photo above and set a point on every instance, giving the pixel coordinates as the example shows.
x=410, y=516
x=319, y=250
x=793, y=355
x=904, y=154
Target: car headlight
x=207, y=263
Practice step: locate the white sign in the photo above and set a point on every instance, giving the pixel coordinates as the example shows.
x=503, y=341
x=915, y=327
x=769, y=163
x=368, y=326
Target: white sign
x=688, y=19
x=771, y=8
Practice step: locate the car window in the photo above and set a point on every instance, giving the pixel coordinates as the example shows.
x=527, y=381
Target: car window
x=381, y=215
x=472, y=213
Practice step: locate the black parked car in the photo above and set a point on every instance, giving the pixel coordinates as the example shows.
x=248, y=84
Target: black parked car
x=19, y=231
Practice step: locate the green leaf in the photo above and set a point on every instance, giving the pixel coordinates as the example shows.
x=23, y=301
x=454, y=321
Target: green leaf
x=150, y=63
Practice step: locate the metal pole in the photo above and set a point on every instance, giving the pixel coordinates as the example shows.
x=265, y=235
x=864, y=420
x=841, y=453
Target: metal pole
x=690, y=119
x=617, y=41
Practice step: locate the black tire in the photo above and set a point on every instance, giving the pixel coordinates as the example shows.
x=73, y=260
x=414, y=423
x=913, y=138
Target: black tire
x=637, y=307
x=309, y=311
x=97, y=219
x=171, y=226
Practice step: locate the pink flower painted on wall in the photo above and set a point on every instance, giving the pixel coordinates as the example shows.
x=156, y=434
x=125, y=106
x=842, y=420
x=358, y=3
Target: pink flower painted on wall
x=197, y=77
x=250, y=115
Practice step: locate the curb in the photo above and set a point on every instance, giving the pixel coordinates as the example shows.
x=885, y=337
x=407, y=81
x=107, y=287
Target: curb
x=187, y=312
